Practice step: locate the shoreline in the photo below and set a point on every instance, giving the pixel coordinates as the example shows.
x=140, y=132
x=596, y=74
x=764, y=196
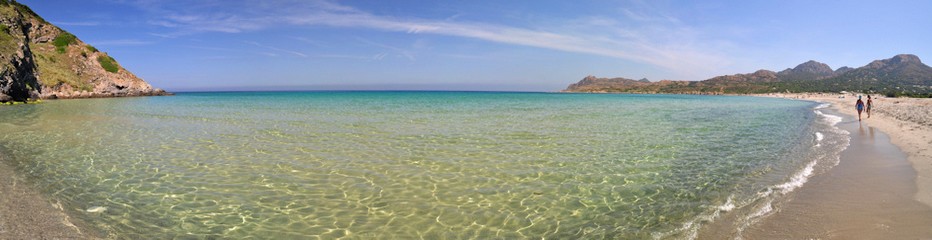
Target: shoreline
x=33, y=198
x=25, y=213
x=908, y=122
x=877, y=189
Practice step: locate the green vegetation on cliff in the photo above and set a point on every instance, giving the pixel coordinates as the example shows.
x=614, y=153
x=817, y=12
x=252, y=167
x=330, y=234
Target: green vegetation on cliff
x=902, y=75
x=63, y=40
x=7, y=42
x=55, y=71
x=108, y=63
x=41, y=60
x=22, y=8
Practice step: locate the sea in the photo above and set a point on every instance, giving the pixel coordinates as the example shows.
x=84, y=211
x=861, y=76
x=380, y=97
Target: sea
x=418, y=165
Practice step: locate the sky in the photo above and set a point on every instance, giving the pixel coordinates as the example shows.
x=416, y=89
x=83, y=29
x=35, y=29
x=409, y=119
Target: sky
x=222, y=45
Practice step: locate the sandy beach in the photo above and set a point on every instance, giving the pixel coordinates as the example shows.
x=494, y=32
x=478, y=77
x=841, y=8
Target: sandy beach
x=908, y=121
x=874, y=192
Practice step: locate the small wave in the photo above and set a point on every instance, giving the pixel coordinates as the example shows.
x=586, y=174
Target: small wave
x=763, y=211
x=824, y=105
x=819, y=137
x=690, y=229
x=798, y=179
x=829, y=118
x=728, y=206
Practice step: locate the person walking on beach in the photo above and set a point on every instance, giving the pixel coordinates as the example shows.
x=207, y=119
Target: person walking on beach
x=860, y=106
x=869, y=104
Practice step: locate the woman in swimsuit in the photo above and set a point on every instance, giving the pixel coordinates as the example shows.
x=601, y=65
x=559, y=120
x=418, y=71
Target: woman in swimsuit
x=860, y=106
x=869, y=104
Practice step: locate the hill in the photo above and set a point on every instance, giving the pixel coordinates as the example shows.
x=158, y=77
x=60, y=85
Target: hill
x=40, y=60
x=903, y=74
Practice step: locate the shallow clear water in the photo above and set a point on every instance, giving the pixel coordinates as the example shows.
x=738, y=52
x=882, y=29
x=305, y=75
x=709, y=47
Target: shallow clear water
x=408, y=164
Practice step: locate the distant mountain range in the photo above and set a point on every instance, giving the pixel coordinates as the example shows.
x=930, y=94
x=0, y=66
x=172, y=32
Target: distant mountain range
x=902, y=74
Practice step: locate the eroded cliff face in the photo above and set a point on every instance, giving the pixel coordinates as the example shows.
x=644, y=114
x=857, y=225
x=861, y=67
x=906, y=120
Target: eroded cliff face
x=40, y=60
x=18, y=79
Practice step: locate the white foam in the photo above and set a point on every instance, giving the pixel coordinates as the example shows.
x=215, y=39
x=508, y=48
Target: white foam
x=728, y=206
x=831, y=119
x=763, y=211
x=798, y=179
x=819, y=137
x=763, y=204
x=690, y=229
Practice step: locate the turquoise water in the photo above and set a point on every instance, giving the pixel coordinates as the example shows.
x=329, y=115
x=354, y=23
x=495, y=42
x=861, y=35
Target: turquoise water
x=390, y=165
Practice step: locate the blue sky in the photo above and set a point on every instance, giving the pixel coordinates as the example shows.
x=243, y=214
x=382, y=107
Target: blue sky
x=184, y=45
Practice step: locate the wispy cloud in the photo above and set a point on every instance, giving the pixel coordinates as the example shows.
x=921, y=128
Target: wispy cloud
x=375, y=57
x=310, y=41
x=660, y=40
x=402, y=52
x=121, y=42
x=237, y=50
x=77, y=23
x=296, y=53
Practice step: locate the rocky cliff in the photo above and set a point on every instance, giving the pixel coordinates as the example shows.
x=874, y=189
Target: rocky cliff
x=40, y=60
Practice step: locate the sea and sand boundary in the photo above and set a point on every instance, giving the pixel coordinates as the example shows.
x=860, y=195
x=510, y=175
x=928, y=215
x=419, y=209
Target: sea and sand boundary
x=882, y=186
x=908, y=122
x=27, y=214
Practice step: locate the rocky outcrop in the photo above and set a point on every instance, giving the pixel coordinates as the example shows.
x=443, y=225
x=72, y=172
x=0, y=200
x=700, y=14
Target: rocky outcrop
x=810, y=70
x=758, y=76
x=842, y=70
x=18, y=79
x=40, y=60
x=595, y=84
x=903, y=74
x=896, y=62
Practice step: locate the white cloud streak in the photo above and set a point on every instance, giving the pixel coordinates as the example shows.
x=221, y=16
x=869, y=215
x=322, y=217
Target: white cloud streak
x=121, y=42
x=402, y=52
x=296, y=53
x=659, y=40
x=82, y=24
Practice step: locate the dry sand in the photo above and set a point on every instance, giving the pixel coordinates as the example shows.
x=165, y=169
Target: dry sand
x=874, y=192
x=908, y=121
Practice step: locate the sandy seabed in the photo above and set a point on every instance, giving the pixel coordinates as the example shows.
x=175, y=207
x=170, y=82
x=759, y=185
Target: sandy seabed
x=831, y=206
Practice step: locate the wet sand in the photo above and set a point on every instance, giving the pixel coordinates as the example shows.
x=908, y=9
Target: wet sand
x=26, y=214
x=908, y=121
x=881, y=188
x=868, y=195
